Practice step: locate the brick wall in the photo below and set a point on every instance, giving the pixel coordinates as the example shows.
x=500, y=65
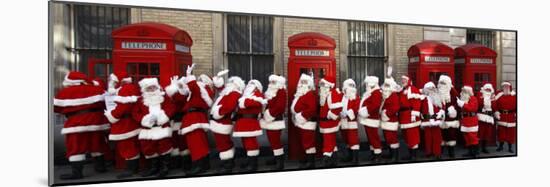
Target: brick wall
x=508, y=66
x=401, y=38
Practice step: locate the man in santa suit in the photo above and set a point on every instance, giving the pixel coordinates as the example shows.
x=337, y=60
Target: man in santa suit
x=124, y=129
x=178, y=93
x=330, y=100
x=469, y=122
x=153, y=111
x=221, y=123
x=272, y=118
x=389, y=114
x=82, y=103
x=369, y=115
x=304, y=113
x=506, y=107
x=247, y=126
x=195, y=122
x=348, y=121
x=485, y=115
x=409, y=115
x=450, y=125
x=433, y=112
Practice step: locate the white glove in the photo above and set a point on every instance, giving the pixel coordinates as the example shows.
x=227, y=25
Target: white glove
x=413, y=118
x=363, y=112
x=343, y=114
x=452, y=112
x=263, y=101
x=190, y=69
x=148, y=120
x=215, y=112
x=174, y=80
x=384, y=116
x=222, y=73
x=497, y=115
x=218, y=81
x=440, y=114
x=299, y=118
x=460, y=103
x=332, y=116
x=350, y=114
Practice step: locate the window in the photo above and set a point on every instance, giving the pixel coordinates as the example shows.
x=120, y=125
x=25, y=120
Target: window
x=434, y=76
x=480, y=79
x=366, y=51
x=250, y=47
x=483, y=37
x=92, y=31
x=142, y=70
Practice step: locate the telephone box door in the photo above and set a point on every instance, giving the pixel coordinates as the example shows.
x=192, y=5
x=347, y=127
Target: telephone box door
x=100, y=68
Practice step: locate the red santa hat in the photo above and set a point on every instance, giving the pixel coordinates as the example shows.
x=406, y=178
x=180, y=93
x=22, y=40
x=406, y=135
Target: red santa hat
x=280, y=80
x=446, y=79
x=256, y=84
x=74, y=78
x=487, y=85
x=428, y=86
x=329, y=80
x=120, y=76
x=468, y=89
x=206, y=79
x=237, y=81
x=371, y=80
x=506, y=83
x=308, y=79
x=348, y=83
x=409, y=81
x=146, y=82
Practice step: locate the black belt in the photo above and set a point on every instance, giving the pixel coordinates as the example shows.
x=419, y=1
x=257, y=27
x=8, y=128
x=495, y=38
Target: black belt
x=82, y=112
x=177, y=116
x=253, y=116
x=404, y=109
x=427, y=116
x=197, y=110
x=490, y=113
x=278, y=118
x=507, y=111
x=468, y=114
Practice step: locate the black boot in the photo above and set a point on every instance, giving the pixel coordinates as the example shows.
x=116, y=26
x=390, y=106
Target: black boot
x=164, y=163
x=500, y=146
x=252, y=164
x=469, y=153
x=200, y=166
x=411, y=156
x=309, y=162
x=484, y=147
x=475, y=151
x=153, y=169
x=131, y=169
x=226, y=166
x=271, y=161
x=348, y=156
x=99, y=165
x=510, y=148
x=76, y=171
x=328, y=161
x=355, y=157
x=175, y=162
x=280, y=162
x=395, y=154
x=451, y=150
x=186, y=163
x=373, y=157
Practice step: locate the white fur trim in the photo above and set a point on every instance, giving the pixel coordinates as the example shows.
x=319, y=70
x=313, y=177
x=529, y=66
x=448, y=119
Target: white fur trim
x=350, y=114
x=124, y=136
x=506, y=124
x=218, y=81
x=308, y=125
x=215, y=112
x=204, y=94
x=77, y=158
x=329, y=130
x=220, y=128
x=267, y=116
x=469, y=129
x=226, y=155
x=450, y=124
x=344, y=124
x=450, y=143
x=374, y=123
x=332, y=105
x=110, y=117
x=431, y=123
x=394, y=145
x=185, y=152
x=273, y=125
x=376, y=151
x=485, y=118
x=146, y=121
x=152, y=156
x=175, y=152
x=125, y=99
x=135, y=157
x=326, y=82
x=311, y=150
x=247, y=133
x=255, y=152
x=331, y=115
x=354, y=147
x=415, y=113
x=278, y=152
x=162, y=118
x=175, y=125
x=363, y=112
x=193, y=127
x=329, y=154
x=86, y=128
x=389, y=126
x=254, y=98
x=155, y=133
x=77, y=102
x=410, y=125
x=299, y=118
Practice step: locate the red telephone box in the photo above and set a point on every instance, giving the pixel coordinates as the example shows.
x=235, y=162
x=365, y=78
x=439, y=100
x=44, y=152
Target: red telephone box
x=428, y=60
x=310, y=52
x=475, y=65
x=150, y=50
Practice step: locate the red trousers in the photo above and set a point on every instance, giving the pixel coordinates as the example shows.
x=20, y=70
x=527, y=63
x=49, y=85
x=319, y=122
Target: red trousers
x=197, y=143
x=391, y=138
x=450, y=136
x=154, y=148
x=274, y=137
x=351, y=138
x=507, y=134
x=128, y=148
x=251, y=146
x=470, y=138
x=486, y=131
x=179, y=144
x=412, y=137
x=329, y=143
x=78, y=144
x=307, y=138
x=432, y=140
x=224, y=145
x=374, y=139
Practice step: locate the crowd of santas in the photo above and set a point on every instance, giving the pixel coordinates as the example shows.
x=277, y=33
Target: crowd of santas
x=168, y=126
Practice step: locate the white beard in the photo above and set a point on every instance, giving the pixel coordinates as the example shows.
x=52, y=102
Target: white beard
x=249, y=90
x=301, y=90
x=350, y=93
x=386, y=92
x=464, y=97
x=506, y=91
x=153, y=98
x=486, y=99
x=271, y=91
x=436, y=99
x=323, y=94
x=445, y=92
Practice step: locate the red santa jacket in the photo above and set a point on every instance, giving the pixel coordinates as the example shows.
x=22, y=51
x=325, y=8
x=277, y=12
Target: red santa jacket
x=431, y=114
x=179, y=99
x=410, y=100
x=369, y=112
x=123, y=126
x=389, y=113
x=247, y=124
x=83, y=106
x=506, y=105
x=330, y=112
x=452, y=111
x=275, y=109
x=199, y=101
x=158, y=128
x=304, y=111
x=469, y=119
x=350, y=108
x=485, y=114
x=222, y=111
